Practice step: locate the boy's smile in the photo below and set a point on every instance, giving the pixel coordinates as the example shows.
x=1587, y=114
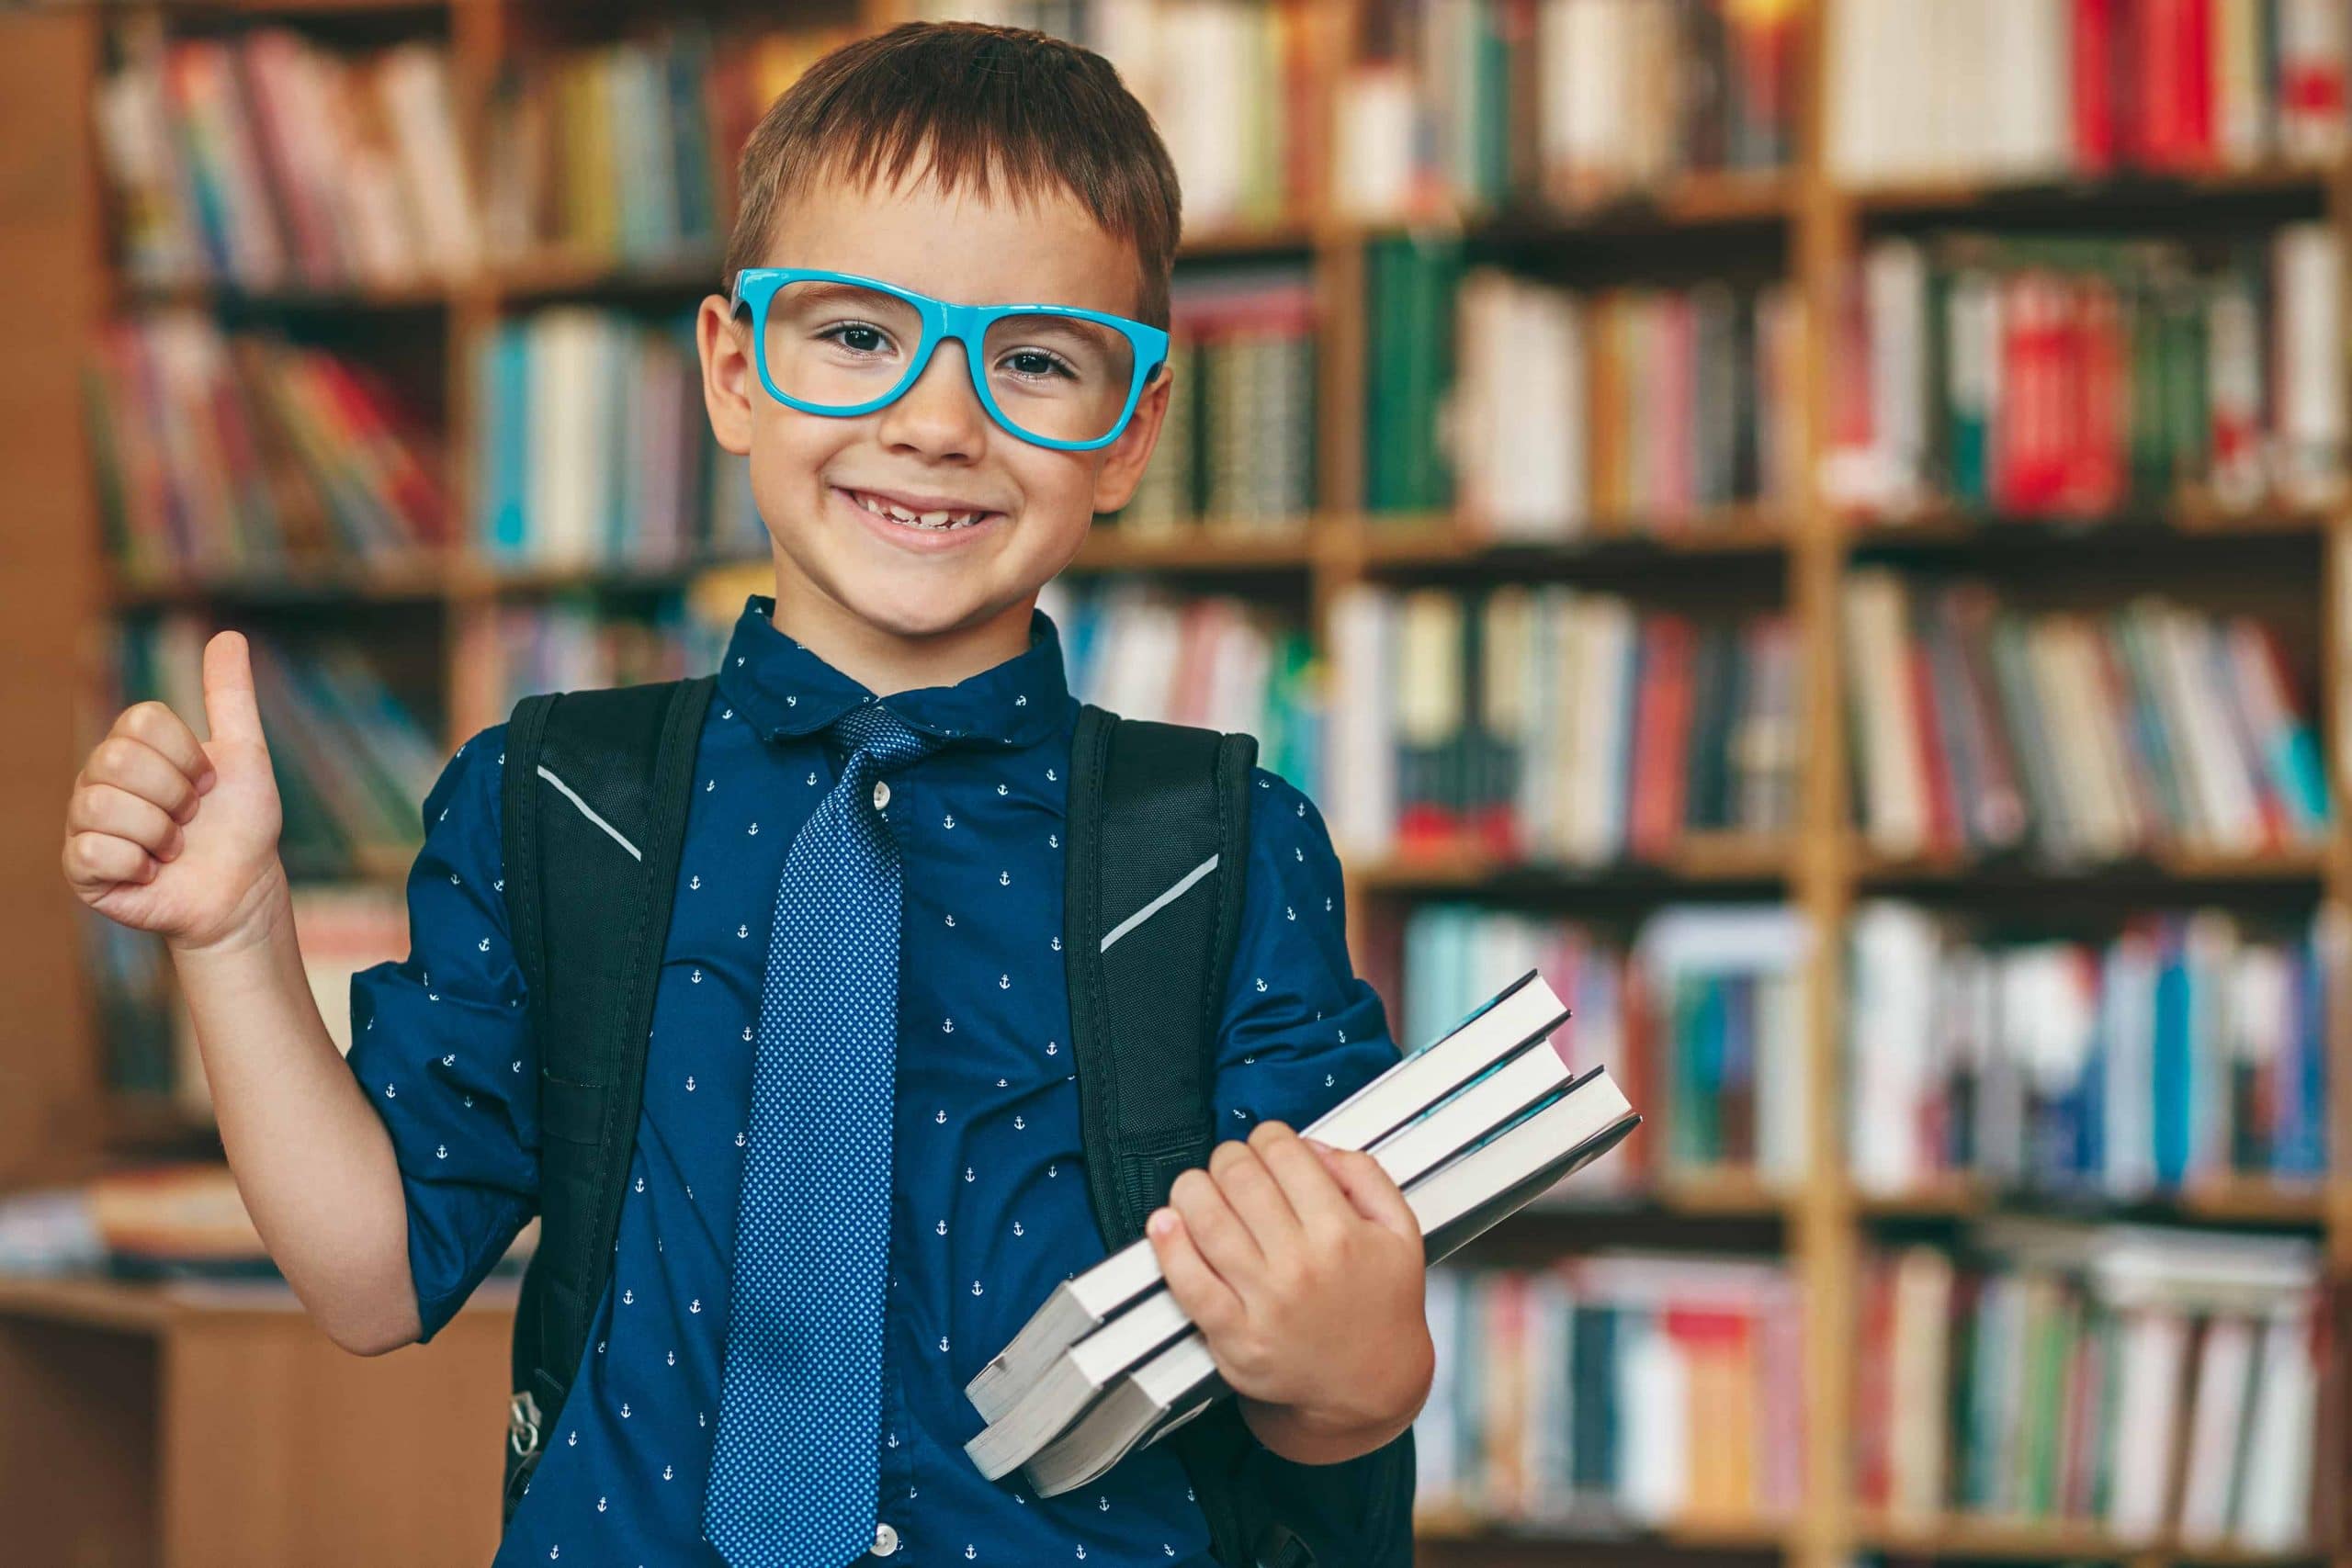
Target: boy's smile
x=911, y=542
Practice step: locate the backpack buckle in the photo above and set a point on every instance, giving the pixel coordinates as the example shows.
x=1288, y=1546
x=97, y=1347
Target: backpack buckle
x=523, y=1422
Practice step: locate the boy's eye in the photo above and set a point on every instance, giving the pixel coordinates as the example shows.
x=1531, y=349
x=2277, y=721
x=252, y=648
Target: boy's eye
x=858, y=336
x=1039, y=362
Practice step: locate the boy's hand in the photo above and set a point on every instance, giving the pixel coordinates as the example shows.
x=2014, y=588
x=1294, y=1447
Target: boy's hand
x=170, y=834
x=1301, y=1267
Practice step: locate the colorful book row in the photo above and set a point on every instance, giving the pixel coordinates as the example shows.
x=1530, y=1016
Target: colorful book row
x=1457, y=106
x=2153, y=1385
x=2189, y=1049
x=1614, y=1391
x=247, y=452
x=2069, y=377
x=2082, y=89
x=2085, y=735
x=1548, y=723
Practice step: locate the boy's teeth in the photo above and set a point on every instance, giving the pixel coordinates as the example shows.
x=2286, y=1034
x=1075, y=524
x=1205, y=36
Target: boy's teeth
x=926, y=519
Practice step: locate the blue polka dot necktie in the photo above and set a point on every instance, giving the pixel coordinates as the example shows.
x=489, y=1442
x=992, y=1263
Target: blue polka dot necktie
x=793, y=1469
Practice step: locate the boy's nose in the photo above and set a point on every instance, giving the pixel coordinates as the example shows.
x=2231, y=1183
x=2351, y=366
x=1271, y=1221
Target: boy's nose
x=939, y=416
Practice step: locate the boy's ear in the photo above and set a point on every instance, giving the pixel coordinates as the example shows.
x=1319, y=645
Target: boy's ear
x=728, y=376
x=1123, y=467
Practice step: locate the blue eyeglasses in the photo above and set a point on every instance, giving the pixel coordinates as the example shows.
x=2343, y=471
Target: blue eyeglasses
x=829, y=342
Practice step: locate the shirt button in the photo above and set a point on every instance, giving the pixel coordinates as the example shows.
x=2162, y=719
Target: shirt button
x=886, y=1541
x=881, y=793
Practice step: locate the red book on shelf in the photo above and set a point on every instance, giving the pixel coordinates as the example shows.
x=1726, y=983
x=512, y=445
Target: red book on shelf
x=1661, y=736
x=2194, y=54
x=2094, y=482
x=2092, y=61
x=2030, y=465
x=1638, y=1071
x=1935, y=768
x=2162, y=83
x=1873, y=1357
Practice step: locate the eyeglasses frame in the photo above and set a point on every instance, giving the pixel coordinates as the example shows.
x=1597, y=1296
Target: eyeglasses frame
x=942, y=320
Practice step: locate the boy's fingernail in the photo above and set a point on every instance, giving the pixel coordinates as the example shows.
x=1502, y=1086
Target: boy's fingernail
x=1161, y=1223
x=1317, y=1144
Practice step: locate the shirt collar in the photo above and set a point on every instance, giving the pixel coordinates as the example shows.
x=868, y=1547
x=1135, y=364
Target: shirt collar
x=784, y=689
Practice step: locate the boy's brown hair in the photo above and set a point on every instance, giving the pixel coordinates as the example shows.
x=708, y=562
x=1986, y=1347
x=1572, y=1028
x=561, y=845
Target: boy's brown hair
x=981, y=102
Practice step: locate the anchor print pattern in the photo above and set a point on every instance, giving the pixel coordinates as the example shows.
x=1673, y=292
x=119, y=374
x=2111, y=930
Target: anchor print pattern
x=985, y=1224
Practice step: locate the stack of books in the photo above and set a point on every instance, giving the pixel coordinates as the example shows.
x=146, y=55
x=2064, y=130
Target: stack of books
x=1470, y=1127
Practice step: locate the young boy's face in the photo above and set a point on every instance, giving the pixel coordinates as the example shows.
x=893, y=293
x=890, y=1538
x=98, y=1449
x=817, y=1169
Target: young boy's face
x=935, y=447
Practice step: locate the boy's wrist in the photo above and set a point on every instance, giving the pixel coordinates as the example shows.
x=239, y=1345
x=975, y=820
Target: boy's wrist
x=266, y=909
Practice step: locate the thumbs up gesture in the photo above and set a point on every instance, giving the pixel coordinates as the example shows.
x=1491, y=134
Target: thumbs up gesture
x=167, y=833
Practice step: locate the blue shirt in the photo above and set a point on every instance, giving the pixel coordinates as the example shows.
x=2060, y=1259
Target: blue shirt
x=990, y=1209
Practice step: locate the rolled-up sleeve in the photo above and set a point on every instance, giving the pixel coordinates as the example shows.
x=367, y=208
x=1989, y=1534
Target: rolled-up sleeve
x=1301, y=1031
x=441, y=1041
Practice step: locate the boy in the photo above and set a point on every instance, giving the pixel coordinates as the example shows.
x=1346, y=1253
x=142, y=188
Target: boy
x=882, y=779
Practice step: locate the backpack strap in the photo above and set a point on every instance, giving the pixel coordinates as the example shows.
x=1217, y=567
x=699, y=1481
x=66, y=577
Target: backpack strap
x=1155, y=872
x=596, y=788
x=1158, y=841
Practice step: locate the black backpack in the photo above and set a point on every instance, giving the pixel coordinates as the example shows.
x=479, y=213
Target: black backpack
x=1148, y=802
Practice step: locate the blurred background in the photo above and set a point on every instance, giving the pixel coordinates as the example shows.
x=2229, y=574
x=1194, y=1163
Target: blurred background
x=1819, y=523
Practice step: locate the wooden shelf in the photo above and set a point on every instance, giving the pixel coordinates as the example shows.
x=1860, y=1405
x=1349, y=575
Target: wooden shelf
x=1690, y=1534
x=391, y=580
x=1702, y=858
x=2242, y=1200
x=1398, y=541
x=2129, y=189
x=1954, y=525
x=2031, y=1541
x=2302, y=867
x=1695, y=201
x=1198, y=548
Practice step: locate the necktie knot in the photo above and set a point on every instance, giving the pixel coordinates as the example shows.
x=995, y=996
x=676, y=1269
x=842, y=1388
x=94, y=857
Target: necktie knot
x=873, y=731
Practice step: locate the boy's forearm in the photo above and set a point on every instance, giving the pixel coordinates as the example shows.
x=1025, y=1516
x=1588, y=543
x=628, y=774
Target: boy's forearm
x=311, y=1157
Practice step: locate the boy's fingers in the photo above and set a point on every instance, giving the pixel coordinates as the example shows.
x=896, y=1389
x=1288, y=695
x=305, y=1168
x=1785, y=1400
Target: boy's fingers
x=229, y=708
x=1370, y=1188
x=140, y=769
x=1307, y=1181
x=101, y=860
x=154, y=724
x=104, y=809
x=1207, y=1298
x=1255, y=1193
x=1222, y=1236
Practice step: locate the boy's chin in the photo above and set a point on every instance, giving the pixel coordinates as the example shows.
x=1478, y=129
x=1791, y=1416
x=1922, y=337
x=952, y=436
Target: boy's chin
x=918, y=610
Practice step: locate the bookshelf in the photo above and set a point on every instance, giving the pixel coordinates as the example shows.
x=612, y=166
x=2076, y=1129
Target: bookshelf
x=1804, y=225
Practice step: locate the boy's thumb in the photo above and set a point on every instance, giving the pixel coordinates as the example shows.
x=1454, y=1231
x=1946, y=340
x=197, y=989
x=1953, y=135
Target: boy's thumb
x=229, y=712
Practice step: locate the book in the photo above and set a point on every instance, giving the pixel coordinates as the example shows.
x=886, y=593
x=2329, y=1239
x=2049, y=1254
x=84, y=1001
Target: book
x=1510, y=1019
x=1454, y=1203
x=1407, y=1154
